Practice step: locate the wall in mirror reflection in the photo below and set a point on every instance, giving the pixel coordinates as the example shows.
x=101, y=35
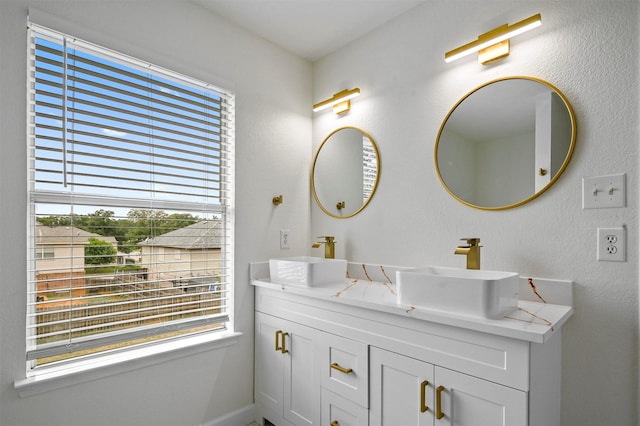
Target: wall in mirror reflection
x=345, y=172
x=505, y=142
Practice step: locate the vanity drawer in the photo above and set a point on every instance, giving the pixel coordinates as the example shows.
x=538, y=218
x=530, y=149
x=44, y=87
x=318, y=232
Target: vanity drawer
x=345, y=368
x=337, y=411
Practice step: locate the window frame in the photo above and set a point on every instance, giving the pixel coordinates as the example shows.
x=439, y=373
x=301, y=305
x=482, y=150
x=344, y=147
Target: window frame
x=160, y=349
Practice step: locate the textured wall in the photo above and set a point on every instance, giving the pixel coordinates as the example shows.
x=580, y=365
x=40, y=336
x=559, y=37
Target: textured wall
x=589, y=50
x=273, y=156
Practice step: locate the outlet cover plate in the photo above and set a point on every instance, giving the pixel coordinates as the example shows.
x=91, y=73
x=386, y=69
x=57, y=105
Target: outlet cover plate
x=601, y=192
x=285, y=239
x=611, y=245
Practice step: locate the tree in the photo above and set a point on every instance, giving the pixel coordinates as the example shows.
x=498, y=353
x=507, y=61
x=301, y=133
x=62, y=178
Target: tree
x=151, y=223
x=55, y=220
x=139, y=225
x=176, y=221
x=101, y=222
x=99, y=252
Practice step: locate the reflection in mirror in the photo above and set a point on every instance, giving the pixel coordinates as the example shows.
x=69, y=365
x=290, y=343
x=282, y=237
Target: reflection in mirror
x=345, y=172
x=505, y=143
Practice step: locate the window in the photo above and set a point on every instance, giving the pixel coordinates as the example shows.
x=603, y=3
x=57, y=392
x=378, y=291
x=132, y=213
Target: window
x=45, y=252
x=126, y=160
x=369, y=168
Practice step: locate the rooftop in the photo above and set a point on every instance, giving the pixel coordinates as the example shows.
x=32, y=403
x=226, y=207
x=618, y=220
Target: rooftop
x=66, y=235
x=202, y=235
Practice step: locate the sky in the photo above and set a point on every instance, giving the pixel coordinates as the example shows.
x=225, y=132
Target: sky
x=129, y=134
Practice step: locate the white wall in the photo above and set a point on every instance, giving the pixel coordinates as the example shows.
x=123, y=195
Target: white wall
x=460, y=175
x=273, y=156
x=504, y=176
x=589, y=50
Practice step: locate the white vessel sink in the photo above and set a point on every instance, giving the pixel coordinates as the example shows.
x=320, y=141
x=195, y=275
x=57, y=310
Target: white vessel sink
x=307, y=271
x=477, y=293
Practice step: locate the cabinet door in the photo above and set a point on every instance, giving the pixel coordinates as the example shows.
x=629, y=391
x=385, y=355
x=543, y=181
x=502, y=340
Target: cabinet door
x=401, y=390
x=269, y=373
x=469, y=401
x=287, y=378
x=301, y=375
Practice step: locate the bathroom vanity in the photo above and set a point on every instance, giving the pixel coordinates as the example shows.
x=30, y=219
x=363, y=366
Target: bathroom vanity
x=349, y=354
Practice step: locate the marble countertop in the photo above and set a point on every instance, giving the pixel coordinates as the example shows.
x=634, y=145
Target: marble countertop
x=533, y=321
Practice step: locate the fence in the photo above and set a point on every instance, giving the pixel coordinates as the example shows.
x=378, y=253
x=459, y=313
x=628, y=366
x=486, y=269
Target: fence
x=109, y=314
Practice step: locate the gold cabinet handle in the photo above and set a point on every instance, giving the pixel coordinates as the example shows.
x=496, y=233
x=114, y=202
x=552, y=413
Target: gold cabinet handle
x=278, y=347
x=341, y=369
x=335, y=423
x=423, y=396
x=439, y=413
x=284, y=343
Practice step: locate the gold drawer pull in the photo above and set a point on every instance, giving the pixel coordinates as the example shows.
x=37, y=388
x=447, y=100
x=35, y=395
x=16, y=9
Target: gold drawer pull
x=337, y=366
x=423, y=391
x=439, y=413
x=284, y=343
x=278, y=347
x=335, y=423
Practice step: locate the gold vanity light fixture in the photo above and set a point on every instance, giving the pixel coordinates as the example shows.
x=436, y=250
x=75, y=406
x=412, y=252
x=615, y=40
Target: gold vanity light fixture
x=341, y=101
x=494, y=44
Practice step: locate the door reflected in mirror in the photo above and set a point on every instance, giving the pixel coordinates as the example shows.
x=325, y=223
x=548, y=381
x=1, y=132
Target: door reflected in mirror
x=505, y=143
x=345, y=172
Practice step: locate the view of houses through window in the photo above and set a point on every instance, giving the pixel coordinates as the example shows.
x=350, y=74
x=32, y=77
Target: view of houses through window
x=105, y=273
x=130, y=170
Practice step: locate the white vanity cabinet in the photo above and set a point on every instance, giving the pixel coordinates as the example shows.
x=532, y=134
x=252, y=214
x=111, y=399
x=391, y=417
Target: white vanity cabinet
x=293, y=363
x=357, y=362
x=407, y=391
x=287, y=385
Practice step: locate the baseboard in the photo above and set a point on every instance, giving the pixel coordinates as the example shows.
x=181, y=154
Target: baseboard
x=242, y=417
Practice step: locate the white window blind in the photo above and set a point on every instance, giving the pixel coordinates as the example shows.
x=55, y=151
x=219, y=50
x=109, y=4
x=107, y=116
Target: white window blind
x=130, y=191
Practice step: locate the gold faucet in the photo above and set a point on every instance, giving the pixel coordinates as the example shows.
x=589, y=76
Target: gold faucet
x=329, y=246
x=472, y=251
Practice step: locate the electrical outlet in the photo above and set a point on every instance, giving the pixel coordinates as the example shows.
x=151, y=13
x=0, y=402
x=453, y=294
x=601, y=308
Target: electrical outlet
x=285, y=235
x=611, y=244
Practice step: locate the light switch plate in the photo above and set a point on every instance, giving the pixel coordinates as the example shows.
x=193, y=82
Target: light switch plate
x=603, y=192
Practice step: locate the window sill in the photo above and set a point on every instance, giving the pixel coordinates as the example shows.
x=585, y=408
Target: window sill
x=97, y=368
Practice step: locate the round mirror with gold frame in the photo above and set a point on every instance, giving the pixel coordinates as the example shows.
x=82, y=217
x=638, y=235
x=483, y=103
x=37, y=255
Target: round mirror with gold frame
x=345, y=172
x=505, y=143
